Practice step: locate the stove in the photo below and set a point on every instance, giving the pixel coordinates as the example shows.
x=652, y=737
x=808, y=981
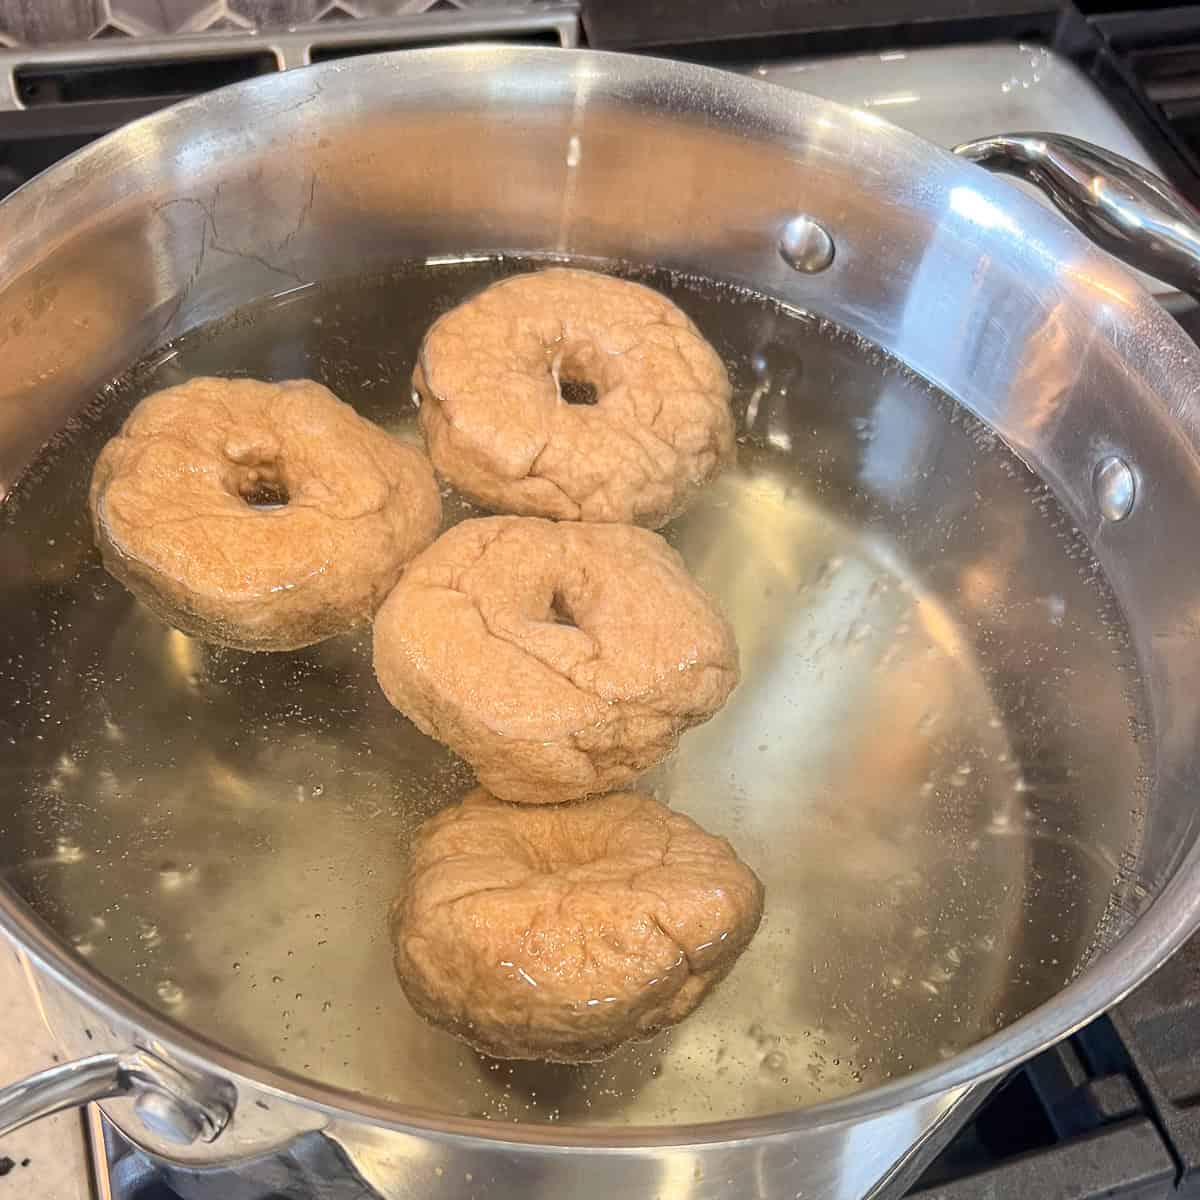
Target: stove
x=1113, y=1111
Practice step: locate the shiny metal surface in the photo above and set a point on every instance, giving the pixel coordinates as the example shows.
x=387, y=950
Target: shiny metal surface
x=1116, y=488
x=952, y=94
x=806, y=245
x=297, y=178
x=167, y=1119
x=183, y=1109
x=67, y=1085
x=1131, y=212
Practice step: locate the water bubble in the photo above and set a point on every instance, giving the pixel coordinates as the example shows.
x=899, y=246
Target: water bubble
x=1000, y=823
x=169, y=992
x=66, y=851
x=775, y=1063
x=67, y=766
x=172, y=875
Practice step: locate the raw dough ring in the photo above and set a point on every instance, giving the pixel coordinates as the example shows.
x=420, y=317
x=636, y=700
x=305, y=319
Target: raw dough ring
x=559, y=933
x=497, y=425
x=172, y=505
x=558, y=658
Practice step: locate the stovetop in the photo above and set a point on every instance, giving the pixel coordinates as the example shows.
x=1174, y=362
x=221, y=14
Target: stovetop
x=1113, y=1111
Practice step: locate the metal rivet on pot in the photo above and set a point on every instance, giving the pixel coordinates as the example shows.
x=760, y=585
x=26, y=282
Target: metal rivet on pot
x=805, y=245
x=165, y=1116
x=1115, y=487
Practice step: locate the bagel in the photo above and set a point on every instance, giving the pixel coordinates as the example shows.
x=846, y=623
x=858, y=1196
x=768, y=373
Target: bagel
x=559, y=659
x=558, y=933
x=262, y=516
x=497, y=418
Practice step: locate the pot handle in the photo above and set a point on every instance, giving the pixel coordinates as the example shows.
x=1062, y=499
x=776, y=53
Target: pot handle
x=1127, y=210
x=177, y=1107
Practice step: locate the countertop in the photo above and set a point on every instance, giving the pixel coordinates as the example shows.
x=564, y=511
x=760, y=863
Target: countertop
x=47, y=1160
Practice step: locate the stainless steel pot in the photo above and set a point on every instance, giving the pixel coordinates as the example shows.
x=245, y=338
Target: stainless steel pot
x=351, y=166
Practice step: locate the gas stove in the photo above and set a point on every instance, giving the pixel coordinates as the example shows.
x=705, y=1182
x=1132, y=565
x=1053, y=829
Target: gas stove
x=1111, y=1111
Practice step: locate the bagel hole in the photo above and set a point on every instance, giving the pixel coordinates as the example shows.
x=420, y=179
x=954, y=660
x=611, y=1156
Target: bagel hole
x=264, y=493
x=560, y=612
x=577, y=391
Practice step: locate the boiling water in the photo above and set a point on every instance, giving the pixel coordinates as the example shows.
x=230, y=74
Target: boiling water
x=929, y=660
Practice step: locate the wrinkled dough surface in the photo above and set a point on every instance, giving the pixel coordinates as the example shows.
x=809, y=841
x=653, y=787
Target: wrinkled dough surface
x=498, y=428
x=559, y=659
x=560, y=932
x=170, y=511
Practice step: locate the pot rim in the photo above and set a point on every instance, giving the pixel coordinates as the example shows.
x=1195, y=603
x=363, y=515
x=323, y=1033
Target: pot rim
x=1158, y=932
